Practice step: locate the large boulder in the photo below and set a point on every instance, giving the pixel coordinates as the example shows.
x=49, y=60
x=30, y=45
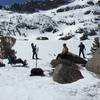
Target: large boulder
x=94, y=63
x=70, y=57
x=8, y=41
x=6, y=44
x=75, y=58
x=66, y=72
x=54, y=63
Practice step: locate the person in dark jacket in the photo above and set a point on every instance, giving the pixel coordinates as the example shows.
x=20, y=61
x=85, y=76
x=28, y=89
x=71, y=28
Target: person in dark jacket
x=13, y=60
x=1, y=63
x=34, y=50
x=81, y=49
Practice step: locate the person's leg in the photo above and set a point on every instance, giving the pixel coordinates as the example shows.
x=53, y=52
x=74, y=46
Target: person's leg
x=79, y=52
x=83, y=54
x=33, y=55
x=36, y=56
x=2, y=65
x=19, y=61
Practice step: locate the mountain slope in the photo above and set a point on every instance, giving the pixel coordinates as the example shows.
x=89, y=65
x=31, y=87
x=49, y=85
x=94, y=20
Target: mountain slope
x=69, y=18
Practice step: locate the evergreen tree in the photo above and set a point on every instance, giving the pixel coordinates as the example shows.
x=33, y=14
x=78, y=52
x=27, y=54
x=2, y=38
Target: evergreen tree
x=0, y=7
x=96, y=45
x=98, y=2
x=16, y=7
x=31, y=5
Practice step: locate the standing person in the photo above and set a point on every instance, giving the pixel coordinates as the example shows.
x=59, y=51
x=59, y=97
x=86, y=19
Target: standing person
x=81, y=49
x=34, y=50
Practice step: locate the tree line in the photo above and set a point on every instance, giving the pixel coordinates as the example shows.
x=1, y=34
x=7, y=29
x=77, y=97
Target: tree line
x=35, y=5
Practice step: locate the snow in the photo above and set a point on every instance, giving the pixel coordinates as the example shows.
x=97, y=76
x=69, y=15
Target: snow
x=15, y=82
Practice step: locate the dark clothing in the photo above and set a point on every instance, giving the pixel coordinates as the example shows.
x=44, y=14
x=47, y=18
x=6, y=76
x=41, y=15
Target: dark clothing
x=34, y=54
x=34, y=51
x=13, y=60
x=81, y=49
x=2, y=64
x=33, y=48
x=82, y=46
x=18, y=61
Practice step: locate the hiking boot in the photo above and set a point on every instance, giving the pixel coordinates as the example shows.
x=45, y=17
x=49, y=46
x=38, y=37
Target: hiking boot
x=84, y=57
x=37, y=58
x=25, y=63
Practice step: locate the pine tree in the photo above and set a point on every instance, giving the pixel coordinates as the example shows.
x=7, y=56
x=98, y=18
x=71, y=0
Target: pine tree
x=0, y=6
x=96, y=45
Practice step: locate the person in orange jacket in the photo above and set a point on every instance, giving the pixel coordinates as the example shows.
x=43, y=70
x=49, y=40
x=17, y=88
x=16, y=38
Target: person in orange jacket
x=64, y=52
x=65, y=49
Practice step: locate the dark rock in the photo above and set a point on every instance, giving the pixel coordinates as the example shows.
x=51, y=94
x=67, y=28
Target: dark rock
x=87, y=12
x=92, y=32
x=48, y=29
x=80, y=30
x=90, y=3
x=84, y=37
x=94, y=63
x=96, y=13
x=42, y=38
x=66, y=72
x=61, y=10
x=70, y=57
x=75, y=59
x=55, y=30
x=66, y=37
x=54, y=62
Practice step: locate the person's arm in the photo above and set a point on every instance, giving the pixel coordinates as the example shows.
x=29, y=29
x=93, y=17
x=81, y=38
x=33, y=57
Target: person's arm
x=84, y=47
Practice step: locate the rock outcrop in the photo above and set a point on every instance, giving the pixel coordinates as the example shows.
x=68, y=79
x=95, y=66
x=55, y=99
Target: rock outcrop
x=94, y=63
x=66, y=72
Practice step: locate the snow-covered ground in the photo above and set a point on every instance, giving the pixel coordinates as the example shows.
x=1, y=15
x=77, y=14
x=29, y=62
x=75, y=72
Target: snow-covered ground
x=15, y=82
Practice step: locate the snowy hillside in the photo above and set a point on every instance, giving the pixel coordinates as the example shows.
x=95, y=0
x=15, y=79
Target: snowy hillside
x=15, y=82
x=82, y=14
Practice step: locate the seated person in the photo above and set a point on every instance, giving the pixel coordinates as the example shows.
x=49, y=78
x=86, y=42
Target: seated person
x=1, y=63
x=13, y=60
x=64, y=52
